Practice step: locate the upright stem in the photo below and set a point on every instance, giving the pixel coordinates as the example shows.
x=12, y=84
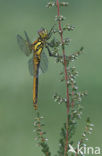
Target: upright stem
x=66, y=75
x=76, y=154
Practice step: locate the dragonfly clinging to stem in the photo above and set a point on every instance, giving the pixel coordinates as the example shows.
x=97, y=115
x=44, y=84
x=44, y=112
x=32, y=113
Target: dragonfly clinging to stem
x=39, y=59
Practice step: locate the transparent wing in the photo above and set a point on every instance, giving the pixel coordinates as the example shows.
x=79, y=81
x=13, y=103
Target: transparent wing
x=24, y=45
x=31, y=66
x=43, y=62
x=27, y=38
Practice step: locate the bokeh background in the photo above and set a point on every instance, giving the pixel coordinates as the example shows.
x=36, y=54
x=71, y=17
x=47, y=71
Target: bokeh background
x=16, y=108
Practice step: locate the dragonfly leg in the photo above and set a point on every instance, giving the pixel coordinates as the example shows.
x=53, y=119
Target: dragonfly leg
x=50, y=33
x=50, y=54
x=49, y=44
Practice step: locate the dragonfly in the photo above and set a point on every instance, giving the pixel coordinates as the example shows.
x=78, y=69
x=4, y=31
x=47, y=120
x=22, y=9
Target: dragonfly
x=39, y=61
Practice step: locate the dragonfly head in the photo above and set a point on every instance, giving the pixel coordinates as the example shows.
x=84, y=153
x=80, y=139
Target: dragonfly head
x=43, y=33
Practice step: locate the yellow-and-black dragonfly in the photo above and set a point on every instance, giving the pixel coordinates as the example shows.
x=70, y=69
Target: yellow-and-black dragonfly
x=39, y=59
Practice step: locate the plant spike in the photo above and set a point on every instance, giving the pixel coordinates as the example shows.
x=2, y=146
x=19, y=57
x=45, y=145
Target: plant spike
x=72, y=98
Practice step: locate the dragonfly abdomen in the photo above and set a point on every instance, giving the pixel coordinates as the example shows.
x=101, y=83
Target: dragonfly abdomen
x=35, y=85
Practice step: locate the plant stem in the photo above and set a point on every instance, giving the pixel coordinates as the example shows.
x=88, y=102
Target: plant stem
x=66, y=75
x=76, y=154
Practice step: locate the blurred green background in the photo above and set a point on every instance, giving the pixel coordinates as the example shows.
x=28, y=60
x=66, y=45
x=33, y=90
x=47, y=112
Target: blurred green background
x=16, y=108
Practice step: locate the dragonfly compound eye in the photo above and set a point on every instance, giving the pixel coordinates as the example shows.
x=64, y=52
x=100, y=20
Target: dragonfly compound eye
x=43, y=33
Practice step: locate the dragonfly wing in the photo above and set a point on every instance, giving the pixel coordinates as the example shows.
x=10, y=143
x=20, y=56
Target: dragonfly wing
x=43, y=62
x=27, y=38
x=31, y=66
x=24, y=45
